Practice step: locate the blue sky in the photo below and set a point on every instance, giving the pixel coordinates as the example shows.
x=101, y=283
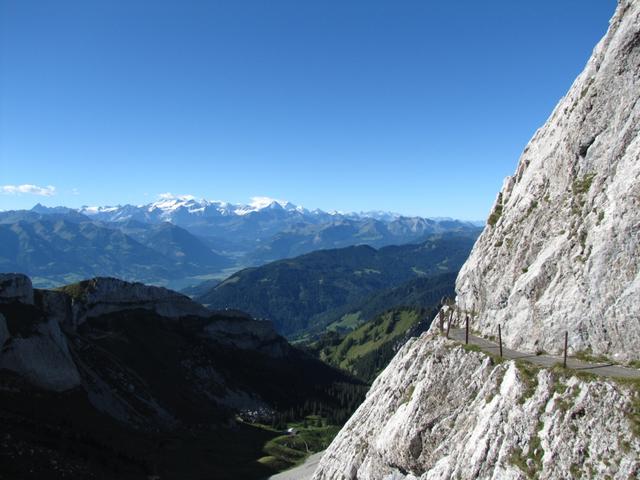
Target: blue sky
x=419, y=107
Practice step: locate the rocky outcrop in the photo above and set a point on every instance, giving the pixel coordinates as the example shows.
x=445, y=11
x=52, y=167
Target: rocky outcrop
x=148, y=357
x=35, y=346
x=15, y=287
x=32, y=344
x=562, y=246
x=101, y=295
x=42, y=357
x=57, y=306
x=441, y=412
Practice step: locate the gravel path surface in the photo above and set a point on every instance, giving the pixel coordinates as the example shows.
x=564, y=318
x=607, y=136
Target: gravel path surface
x=303, y=472
x=603, y=369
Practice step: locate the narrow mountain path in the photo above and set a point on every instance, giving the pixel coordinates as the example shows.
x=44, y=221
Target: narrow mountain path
x=602, y=369
x=302, y=472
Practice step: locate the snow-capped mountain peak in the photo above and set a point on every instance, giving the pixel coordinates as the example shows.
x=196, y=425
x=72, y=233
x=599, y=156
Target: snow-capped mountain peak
x=168, y=205
x=261, y=203
x=172, y=208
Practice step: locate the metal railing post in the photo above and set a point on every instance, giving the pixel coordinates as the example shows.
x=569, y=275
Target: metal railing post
x=466, y=330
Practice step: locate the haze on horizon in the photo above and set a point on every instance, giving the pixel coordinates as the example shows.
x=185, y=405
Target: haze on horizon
x=421, y=108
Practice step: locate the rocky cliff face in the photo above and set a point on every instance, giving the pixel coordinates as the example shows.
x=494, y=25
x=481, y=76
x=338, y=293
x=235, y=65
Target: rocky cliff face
x=102, y=295
x=36, y=348
x=32, y=344
x=441, y=412
x=148, y=356
x=561, y=250
x=46, y=336
x=560, y=253
x=15, y=287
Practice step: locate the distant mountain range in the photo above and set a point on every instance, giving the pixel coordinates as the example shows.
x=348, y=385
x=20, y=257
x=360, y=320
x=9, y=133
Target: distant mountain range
x=180, y=241
x=268, y=229
x=58, y=249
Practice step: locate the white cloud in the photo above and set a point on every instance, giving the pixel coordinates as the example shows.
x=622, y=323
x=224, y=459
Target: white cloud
x=47, y=191
x=171, y=196
x=75, y=191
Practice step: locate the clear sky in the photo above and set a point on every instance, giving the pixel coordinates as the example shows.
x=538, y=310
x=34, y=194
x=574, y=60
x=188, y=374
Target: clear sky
x=415, y=106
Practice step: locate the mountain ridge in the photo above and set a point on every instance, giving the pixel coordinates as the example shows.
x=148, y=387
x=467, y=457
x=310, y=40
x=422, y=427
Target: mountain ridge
x=180, y=243
x=173, y=203
x=305, y=293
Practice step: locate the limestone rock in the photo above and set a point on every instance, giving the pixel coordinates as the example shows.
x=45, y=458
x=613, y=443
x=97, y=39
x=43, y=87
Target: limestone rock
x=440, y=412
x=561, y=250
x=99, y=296
x=38, y=350
x=30, y=343
x=56, y=304
x=15, y=287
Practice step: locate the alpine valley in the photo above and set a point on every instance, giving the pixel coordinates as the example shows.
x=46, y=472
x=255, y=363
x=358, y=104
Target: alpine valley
x=342, y=288
x=104, y=377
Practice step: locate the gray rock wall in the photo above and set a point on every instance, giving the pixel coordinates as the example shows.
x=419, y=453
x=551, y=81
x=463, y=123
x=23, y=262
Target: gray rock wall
x=561, y=250
x=15, y=287
x=42, y=357
x=107, y=295
x=38, y=347
x=440, y=412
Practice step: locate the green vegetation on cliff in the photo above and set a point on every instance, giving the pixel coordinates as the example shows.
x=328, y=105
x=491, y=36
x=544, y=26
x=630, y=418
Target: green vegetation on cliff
x=367, y=350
